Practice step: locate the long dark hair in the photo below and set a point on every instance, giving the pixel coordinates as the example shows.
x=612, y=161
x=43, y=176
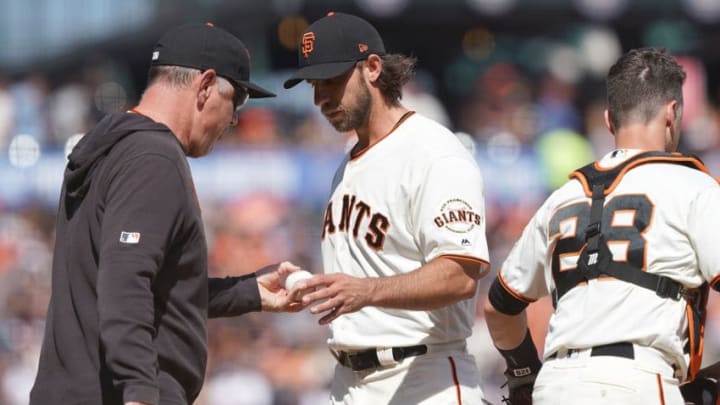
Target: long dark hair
x=397, y=69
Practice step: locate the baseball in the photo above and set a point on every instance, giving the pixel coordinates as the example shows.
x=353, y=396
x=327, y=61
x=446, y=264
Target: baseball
x=296, y=276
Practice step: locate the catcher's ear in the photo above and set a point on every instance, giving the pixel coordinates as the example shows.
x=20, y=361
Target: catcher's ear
x=608, y=122
x=673, y=114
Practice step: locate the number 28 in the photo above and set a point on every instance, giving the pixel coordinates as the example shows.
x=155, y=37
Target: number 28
x=624, y=221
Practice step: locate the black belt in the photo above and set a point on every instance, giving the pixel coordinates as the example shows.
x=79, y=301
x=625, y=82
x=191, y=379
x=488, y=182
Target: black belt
x=367, y=359
x=621, y=349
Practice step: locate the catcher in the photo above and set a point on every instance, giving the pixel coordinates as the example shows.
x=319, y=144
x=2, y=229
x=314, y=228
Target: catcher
x=626, y=249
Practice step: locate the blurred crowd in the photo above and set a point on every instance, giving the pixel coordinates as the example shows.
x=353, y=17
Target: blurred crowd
x=528, y=131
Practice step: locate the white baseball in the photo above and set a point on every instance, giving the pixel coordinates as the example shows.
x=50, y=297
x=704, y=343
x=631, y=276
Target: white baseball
x=296, y=276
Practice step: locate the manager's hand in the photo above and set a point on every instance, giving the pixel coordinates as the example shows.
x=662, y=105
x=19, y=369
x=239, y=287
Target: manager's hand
x=273, y=295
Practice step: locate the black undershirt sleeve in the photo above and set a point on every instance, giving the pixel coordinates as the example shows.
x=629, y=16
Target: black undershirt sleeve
x=232, y=296
x=503, y=301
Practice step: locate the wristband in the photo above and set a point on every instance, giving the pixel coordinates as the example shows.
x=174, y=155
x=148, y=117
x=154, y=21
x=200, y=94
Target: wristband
x=522, y=360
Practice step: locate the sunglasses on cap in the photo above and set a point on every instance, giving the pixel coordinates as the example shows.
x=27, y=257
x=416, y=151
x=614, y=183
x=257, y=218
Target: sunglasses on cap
x=240, y=97
x=240, y=94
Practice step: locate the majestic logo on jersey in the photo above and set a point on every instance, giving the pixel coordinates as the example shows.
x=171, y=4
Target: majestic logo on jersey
x=458, y=216
x=308, y=43
x=355, y=215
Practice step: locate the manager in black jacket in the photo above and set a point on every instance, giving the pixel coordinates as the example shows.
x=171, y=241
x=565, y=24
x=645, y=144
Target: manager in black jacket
x=130, y=288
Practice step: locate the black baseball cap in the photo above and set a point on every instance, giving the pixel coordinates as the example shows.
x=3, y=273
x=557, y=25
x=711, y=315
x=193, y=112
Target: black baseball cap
x=205, y=46
x=332, y=45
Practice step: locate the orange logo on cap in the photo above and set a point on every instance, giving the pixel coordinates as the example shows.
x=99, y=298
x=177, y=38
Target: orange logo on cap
x=308, y=42
x=362, y=48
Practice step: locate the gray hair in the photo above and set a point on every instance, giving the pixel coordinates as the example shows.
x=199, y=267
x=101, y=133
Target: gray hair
x=176, y=76
x=182, y=77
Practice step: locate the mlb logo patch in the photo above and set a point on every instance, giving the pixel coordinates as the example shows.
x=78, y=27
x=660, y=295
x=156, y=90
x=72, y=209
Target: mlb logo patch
x=129, y=237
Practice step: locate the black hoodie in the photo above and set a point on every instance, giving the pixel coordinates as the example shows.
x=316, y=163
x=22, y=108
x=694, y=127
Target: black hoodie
x=130, y=292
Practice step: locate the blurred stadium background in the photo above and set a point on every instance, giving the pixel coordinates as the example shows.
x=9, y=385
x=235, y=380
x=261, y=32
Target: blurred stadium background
x=520, y=81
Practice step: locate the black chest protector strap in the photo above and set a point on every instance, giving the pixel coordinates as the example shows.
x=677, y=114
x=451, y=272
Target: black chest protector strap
x=596, y=259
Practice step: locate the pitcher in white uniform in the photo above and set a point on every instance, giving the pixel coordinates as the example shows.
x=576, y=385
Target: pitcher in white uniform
x=627, y=249
x=403, y=238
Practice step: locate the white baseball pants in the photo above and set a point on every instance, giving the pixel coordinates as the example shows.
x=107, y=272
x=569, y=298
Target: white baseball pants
x=579, y=378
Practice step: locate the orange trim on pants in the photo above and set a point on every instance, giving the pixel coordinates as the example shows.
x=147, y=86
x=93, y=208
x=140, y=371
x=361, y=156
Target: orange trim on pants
x=660, y=389
x=455, y=380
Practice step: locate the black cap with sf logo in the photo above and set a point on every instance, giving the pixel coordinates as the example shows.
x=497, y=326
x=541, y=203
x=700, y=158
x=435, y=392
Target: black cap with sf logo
x=205, y=46
x=331, y=45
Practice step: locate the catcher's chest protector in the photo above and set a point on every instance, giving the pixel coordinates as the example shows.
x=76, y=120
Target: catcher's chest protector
x=596, y=259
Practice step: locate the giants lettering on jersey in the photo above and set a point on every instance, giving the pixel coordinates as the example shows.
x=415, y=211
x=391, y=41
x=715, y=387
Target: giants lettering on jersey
x=458, y=216
x=354, y=215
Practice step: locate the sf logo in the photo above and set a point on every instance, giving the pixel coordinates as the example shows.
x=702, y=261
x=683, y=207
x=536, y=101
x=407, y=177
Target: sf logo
x=308, y=40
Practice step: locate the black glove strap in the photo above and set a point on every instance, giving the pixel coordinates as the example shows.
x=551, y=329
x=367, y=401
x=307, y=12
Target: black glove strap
x=700, y=391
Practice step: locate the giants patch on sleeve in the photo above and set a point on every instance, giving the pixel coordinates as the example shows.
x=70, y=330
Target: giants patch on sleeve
x=457, y=215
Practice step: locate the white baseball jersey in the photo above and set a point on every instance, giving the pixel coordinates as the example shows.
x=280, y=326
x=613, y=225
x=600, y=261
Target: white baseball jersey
x=663, y=219
x=413, y=196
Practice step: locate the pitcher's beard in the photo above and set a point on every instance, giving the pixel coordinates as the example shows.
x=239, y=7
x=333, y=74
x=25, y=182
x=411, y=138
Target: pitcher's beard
x=355, y=116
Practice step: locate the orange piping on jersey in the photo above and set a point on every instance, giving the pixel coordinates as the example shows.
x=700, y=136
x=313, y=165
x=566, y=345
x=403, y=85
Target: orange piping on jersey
x=660, y=389
x=679, y=158
x=466, y=259
x=455, y=380
x=513, y=292
x=484, y=263
x=354, y=154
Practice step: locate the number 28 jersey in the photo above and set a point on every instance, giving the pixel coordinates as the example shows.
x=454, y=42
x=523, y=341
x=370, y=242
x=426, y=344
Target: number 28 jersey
x=660, y=218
